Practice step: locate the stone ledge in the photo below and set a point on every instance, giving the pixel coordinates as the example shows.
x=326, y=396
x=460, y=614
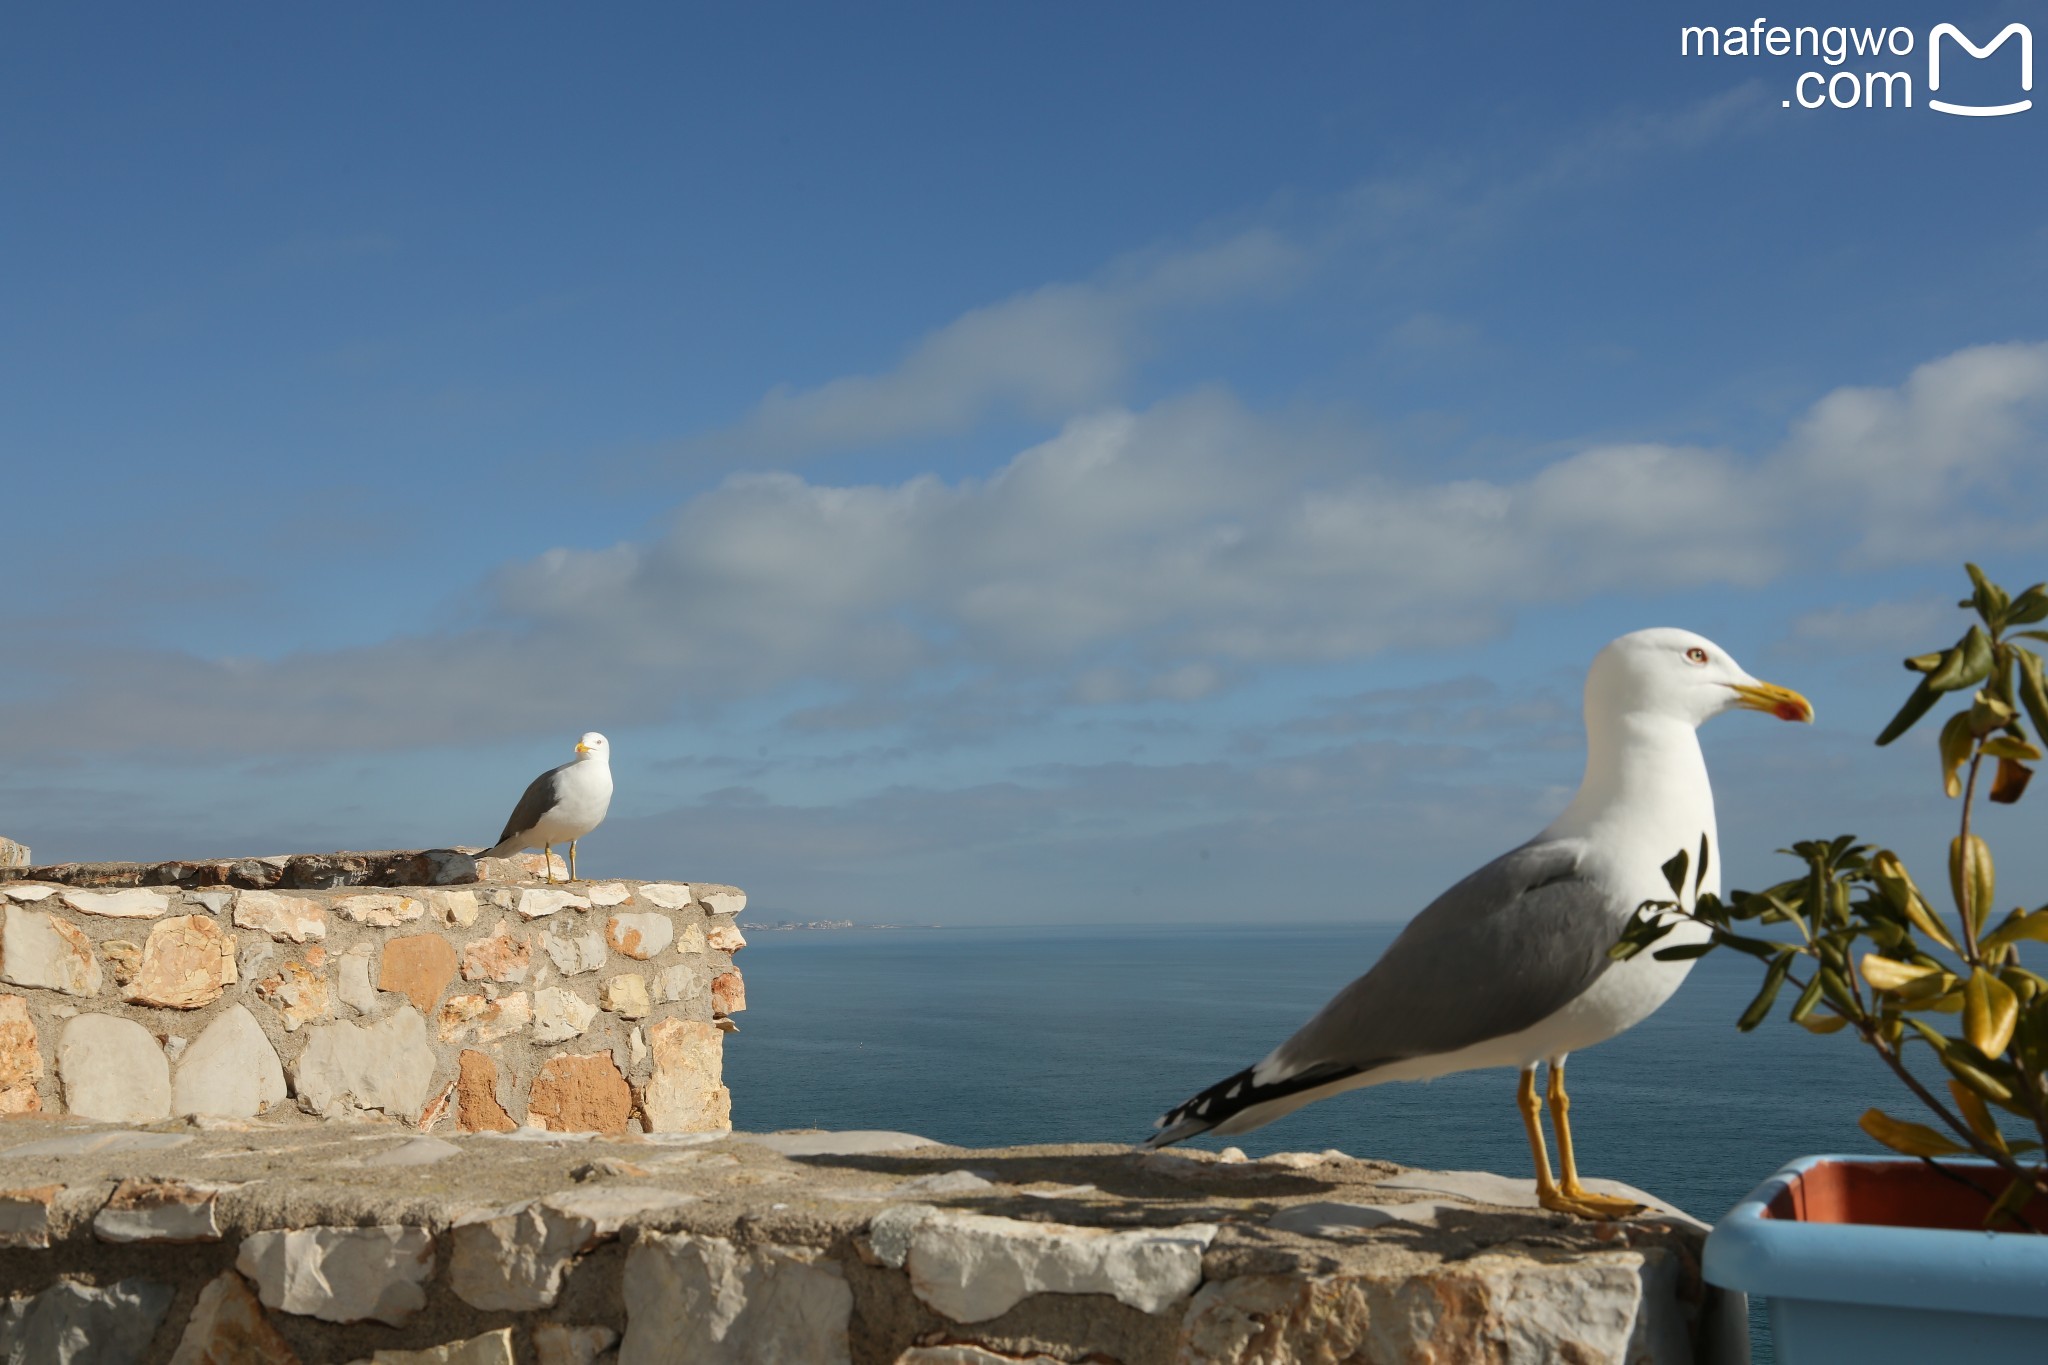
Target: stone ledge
x=366, y=1243
x=288, y=871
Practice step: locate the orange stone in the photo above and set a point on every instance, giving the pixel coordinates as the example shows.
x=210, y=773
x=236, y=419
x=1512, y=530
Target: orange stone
x=728, y=993
x=476, y=1096
x=299, y=993
x=500, y=957
x=228, y=1327
x=185, y=964
x=580, y=1093
x=21, y=1058
x=418, y=967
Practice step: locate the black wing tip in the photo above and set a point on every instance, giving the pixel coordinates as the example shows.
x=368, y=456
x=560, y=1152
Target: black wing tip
x=1233, y=1095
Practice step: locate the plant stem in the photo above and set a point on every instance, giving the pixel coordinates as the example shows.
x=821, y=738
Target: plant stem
x=1959, y=1178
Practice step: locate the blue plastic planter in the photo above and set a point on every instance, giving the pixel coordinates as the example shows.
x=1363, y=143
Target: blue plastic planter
x=1877, y=1291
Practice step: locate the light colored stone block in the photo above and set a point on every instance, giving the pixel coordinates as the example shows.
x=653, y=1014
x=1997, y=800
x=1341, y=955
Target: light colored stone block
x=230, y=1070
x=685, y=1093
x=537, y=903
x=513, y=1259
x=574, y=954
x=352, y=975
x=725, y=937
x=21, y=1058
x=187, y=962
x=388, y=1065
x=380, y=912
x=457, y=909
x=667, y=895
x=75, y=1324
x=134, y=903
x=288, y=919
x=341, y=1274
x=112, y=1069
x=724, y=901
x=41, y=950
x=626, y=995
x=25, y=1215
x=640, y=936
x=971, y=1267
x=500, y=957
x=702, y=1300
x=480, y=1019
x=559, y=1015
x=228, y=1327
x=300, y=994
x=606, y=894
x=141, y=1210
x=492, y=1348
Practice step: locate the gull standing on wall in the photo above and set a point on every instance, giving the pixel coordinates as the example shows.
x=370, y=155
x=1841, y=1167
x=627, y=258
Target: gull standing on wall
x=562, y=805
x=1510, y=967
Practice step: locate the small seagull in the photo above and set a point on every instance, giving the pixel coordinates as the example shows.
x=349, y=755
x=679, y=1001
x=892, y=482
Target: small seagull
x=563, y=803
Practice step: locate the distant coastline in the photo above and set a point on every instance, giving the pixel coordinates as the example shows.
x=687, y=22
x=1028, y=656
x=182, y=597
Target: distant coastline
x=793, y=925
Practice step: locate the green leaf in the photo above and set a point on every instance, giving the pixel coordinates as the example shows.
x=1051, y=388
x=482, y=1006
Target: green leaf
x=1674, y=872
x=1809, y=999
x=1972, y=879
x=1989, y=599
x=1966, y=665
x=1766, y=995
x=1956, y=743
x=2033, y=687
x=1990, y=1012
x=1684, y=952
x=1919, y=704
x=1700, y=876
x=2008, y=1205
x=2029, y=607
x=2005, y=746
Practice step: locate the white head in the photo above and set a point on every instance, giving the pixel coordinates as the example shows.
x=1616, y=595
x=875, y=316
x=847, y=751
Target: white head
x=594, y=746
x=1680, y=676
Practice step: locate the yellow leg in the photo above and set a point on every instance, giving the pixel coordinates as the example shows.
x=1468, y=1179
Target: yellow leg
x=1590, y=1205
x=547, y=861
x=1532, y=1124
x=572, y=860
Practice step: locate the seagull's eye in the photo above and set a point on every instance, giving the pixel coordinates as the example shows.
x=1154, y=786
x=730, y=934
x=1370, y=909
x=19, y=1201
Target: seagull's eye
x=1696, y=655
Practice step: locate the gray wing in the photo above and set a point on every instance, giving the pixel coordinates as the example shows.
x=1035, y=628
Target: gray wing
x=1502, y=950
x=542, y=795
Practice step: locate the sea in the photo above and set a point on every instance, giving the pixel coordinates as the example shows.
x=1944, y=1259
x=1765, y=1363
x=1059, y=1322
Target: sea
x=985, y=1037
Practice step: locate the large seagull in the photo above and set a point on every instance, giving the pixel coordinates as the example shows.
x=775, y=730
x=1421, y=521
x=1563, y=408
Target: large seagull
x=1510, y=966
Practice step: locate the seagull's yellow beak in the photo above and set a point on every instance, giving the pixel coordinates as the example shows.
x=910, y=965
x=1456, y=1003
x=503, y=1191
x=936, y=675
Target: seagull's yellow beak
x=582, y=748
x=1772, y=699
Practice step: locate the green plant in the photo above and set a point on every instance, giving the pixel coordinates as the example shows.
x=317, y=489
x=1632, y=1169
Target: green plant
x=1873, y=955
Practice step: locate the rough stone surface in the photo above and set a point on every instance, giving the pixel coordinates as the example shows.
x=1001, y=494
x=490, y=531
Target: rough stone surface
x=580, y=1093
x=557, y=1343
x=476, y=1095
x=640, y=936
x=686, y=1094
x=626, y=996
x=228, y=1327
x=383, y=912
x=513, y=1258
x=574, y=953
x=37, y=949
x=501, y=958
x=21, y=1058
x=491, y=1348
x=341, y=1274
x=288, y=919
x=131, y=904
x=388, y=1065
x=701, y=1299
x=972, y=1267
x=537, y=903
x=681, y=982
x=300, y=994
x=352, y=973
x=559, y=1015
x=480, y=1019
x=143, y=1210
x=725, y=938
x=721, y=900
x=76, y=1324
x=186, y=963
x=112, y=1069
x=667, y=895
x=728, y=993
x=418, y=967
x=229, y=1071
x=25, y=1215
x=606, y=894
x=13, y=854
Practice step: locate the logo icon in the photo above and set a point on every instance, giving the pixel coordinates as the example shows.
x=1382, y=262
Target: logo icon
x=1941, y=31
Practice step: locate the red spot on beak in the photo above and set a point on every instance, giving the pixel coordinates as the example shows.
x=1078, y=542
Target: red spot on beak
x=1789, y=710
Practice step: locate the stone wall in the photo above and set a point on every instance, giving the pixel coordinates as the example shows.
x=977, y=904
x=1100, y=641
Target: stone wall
x=338, y=1242
x=428, y=987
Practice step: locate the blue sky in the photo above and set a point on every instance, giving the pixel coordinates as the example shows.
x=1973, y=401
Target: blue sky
x=986, y=462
